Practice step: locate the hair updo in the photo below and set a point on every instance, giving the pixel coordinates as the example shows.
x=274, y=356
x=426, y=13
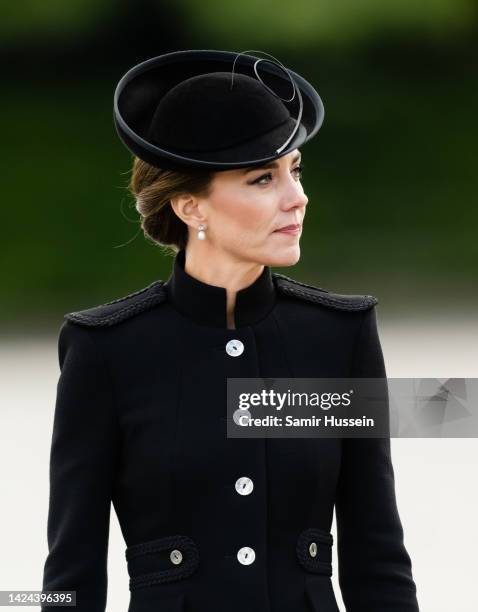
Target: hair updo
x=153, y=189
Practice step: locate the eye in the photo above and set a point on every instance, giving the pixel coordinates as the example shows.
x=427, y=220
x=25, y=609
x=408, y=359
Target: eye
x=257, y=180
x=298, y=169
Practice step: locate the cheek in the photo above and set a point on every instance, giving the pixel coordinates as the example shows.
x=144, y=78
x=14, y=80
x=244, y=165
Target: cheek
x=248, y=214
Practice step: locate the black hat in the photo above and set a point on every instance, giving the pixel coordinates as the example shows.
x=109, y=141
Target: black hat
x=214, y=110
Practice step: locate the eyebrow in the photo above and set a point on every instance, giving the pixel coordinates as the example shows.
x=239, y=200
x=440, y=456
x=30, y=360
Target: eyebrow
x=271, y=164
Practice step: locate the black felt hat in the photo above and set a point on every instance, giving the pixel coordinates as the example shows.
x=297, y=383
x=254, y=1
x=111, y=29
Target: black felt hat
x=215, y=110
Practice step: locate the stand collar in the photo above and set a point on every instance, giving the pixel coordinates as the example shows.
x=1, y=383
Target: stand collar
x=206, y=304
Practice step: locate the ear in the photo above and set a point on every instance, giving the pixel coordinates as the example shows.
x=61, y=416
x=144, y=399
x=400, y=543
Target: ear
x=187, y=207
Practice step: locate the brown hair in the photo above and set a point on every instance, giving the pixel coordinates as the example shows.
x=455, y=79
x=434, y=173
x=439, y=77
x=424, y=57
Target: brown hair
x=153, y=189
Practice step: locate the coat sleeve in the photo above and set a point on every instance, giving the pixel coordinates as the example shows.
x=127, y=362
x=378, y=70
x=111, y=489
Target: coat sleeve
x=82, y=464
x=375, y=571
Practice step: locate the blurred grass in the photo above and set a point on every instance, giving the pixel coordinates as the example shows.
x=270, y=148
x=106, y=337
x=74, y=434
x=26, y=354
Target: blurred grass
x=300, y=24
x=53, y=18
x=391, y=179
x=304, y=24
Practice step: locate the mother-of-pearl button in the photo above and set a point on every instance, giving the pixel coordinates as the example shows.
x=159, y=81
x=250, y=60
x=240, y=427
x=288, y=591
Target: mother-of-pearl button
x=176, y=556
x=246, y=555
x=244, y=485
x=234, y=348
x=313, y=549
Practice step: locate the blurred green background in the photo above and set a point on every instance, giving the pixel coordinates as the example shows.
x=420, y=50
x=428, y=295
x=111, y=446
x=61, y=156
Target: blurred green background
x=391, y=176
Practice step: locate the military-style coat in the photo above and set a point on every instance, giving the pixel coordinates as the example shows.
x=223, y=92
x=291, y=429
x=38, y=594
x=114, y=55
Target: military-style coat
x=213, y=523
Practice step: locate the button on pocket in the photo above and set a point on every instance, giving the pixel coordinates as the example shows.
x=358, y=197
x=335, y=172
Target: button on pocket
x=176, y=556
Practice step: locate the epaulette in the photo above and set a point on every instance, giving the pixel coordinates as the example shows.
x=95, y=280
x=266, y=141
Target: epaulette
x=317, y=295
x=122, y=308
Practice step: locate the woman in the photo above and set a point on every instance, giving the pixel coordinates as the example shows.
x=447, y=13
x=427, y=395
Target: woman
x=212, y=523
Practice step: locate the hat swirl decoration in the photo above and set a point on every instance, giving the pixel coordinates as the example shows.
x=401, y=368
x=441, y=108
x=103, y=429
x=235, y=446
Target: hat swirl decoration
x=296, y=89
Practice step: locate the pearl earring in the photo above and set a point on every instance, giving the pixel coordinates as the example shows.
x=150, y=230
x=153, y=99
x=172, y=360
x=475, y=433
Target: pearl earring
x=201, y=232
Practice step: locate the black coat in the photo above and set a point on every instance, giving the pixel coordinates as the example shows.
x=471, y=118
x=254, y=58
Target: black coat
x=140, y=421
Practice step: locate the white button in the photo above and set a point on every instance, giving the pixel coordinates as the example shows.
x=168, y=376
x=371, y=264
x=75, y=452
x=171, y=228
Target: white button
x=176, y=556
x=244, y=485
x=246, y=555
x=313, y=549
x=234, y=348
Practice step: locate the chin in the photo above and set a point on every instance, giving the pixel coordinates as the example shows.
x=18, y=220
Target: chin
x=285, y=256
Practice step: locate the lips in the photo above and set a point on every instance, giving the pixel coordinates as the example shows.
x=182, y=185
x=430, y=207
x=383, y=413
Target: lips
x=288, y=227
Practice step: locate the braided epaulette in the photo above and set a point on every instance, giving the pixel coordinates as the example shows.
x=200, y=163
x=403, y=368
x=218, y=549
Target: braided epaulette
x=122, y=308
x=317, y=295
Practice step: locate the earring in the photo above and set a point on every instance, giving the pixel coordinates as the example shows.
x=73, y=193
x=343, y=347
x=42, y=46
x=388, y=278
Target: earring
x=201, y=232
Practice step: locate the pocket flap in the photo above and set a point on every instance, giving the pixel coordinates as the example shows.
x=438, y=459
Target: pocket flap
x=162, y=560
x=314, y=550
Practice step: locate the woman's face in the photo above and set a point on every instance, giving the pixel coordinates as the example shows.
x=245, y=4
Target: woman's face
x=247, y=206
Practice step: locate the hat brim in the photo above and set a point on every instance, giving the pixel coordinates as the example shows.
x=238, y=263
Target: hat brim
x=142, y=87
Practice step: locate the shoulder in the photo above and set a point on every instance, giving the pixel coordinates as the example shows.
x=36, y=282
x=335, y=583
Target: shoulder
x=132, y=304
x=318, y=295
x=120, y=309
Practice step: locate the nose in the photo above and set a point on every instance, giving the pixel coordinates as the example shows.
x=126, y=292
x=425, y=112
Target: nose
x=294, y=195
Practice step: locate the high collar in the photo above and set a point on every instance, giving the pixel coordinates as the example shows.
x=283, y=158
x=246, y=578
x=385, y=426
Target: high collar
x=207, y=304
